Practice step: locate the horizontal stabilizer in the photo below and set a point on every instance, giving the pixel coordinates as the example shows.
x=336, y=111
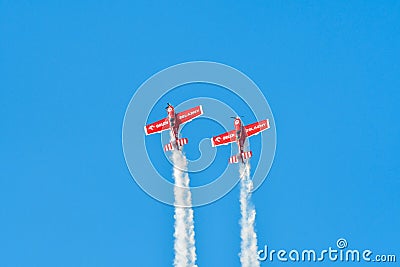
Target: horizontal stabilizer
x=247, y=155
x=233, y=159
x=180, y=142
x=169, y=147
x=244, y=155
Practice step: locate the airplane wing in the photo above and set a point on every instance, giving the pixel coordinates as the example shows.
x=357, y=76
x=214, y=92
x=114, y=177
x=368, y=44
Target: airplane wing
x=157, y=126
x=190, y=114
x=256, y=128
x=224, y=139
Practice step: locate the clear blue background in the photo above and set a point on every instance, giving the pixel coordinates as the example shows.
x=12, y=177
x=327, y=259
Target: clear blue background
x=330, y=72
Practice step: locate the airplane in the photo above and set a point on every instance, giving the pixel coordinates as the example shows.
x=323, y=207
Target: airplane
x=173, y=122
x=239, y=135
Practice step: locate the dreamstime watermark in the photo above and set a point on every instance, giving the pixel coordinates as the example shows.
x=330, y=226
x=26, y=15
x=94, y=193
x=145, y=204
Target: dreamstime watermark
x=339, y=253
x=145, y=169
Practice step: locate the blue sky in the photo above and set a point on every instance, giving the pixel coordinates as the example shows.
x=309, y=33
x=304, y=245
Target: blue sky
x=329, y=70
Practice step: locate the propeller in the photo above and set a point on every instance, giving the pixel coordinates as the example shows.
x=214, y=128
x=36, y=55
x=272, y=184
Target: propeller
x=168, y=105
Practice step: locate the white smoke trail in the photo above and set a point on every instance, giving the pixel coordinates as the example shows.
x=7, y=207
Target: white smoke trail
x=248, y=254
x=184, y=246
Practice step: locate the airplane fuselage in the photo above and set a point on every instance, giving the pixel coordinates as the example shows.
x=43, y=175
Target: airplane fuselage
x=240, y=136
x=174, y=123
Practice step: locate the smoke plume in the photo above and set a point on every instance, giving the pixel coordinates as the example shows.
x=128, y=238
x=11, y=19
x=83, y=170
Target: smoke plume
x=248, y=254
x=184, y=246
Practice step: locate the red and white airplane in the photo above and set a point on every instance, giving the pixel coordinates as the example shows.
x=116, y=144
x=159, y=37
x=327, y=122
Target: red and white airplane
x=239, y=135
x=172, y=122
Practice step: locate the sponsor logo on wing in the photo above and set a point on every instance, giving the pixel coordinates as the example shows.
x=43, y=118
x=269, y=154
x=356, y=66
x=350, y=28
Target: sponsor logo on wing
x=189, y=114
x=158, y=125
x=218, y=139
x=230, y=136
x=258, y=126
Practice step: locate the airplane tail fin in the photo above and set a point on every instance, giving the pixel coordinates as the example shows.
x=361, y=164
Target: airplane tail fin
x=180, y=142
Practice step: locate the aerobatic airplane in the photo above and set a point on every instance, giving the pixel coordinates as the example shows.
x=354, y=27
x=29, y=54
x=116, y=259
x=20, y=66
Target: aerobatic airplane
x=239, y=135
x=173, y=122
